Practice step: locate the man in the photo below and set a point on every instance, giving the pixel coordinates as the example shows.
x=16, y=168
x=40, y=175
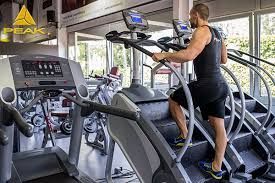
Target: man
x=209, y=92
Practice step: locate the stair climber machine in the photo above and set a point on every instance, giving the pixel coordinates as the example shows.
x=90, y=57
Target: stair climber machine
x=259, y=117
x=50, y=76
x=145, y=143
x=253, y=149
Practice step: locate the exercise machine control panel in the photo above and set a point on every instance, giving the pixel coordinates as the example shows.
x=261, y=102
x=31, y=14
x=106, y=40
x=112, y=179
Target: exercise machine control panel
x=40, y=72
x=40, y=69
x=182, y=28
x=135, y=21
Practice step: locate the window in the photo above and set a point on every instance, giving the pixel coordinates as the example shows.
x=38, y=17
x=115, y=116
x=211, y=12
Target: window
x=161, y=81
x=92, y=57
x=267, y=48
x=237, y=31
x=49, y=42
x=122, y=59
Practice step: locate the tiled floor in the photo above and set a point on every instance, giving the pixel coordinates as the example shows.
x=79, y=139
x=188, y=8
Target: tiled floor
x=91, y=161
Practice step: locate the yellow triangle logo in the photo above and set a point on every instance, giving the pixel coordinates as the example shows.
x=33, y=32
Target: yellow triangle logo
x=24, y=17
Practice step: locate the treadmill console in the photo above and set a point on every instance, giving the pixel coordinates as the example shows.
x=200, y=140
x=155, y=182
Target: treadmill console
x=40, y=69
x=182, y=28
x=135, y=20
x=40, y=72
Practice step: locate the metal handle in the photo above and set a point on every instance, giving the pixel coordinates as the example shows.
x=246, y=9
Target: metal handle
x=32, y=103
x=145, y=65
x=20, y=122
x=242, y=116
x=88, y=107
x=93, y=106
x=269, y=96
x=257, y=58
x=190, y=109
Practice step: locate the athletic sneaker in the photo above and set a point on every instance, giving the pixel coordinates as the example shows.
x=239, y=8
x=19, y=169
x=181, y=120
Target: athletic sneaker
x=207, y=167
x=179, y=142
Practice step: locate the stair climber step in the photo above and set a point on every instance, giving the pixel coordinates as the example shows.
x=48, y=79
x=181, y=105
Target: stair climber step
x=199, y=151
x=244, y=145
x=271, y=131
x=259, y=116
x=252, y=160
x=250, y=104
x=168, y=128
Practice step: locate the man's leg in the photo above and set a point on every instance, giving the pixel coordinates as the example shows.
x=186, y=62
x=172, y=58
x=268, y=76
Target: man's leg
x=178, y=116
x=220, y=141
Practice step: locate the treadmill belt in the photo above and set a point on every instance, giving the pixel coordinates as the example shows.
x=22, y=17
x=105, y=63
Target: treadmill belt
x=57, y=178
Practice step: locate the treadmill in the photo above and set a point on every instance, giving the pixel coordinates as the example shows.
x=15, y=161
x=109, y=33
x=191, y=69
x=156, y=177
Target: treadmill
x=51, y=77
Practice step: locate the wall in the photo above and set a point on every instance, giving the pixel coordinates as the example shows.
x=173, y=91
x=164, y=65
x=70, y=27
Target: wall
x=97, y=9
x=40, y=16
x=6, y=17
x=27, y=49
x=220, y=8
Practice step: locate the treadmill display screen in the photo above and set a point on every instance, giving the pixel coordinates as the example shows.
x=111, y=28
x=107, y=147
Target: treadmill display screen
x=136, y=18
x=41, y=69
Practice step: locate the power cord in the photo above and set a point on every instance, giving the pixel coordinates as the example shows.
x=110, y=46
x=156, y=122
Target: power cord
x=120, y=173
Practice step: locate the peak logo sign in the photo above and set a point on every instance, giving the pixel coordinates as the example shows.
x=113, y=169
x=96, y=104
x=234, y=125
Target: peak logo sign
x=24, y=19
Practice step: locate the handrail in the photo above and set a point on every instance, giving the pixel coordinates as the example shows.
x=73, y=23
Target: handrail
x=254, y=64
x=232, y=112
x=240, y=60
x=242, y=116
x=113, y=37
x=145, y=65
x=257, y=58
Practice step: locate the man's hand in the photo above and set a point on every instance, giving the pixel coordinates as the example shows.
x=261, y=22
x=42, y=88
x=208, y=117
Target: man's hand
x=158, y=56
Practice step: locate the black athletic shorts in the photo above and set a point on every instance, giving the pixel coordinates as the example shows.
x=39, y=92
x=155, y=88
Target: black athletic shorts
x=209, y=96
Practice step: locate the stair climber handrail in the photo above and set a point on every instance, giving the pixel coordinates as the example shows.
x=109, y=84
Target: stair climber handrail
x=253, y=64
x=269, y=96
x=115, y=36
x=232, y=104
x=242, y=115
x=240, y=53
x=232, y=112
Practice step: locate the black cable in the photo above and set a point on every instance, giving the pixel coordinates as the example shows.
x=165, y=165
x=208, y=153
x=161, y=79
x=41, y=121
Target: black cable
x=125, y=175
x=131, y=180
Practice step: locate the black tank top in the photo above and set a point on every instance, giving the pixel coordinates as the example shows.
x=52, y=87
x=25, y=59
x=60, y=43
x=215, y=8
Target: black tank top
x=207, y=63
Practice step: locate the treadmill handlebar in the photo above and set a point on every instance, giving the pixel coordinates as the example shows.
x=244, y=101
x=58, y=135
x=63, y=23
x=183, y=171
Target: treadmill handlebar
x=4, y=140
x=19, y=121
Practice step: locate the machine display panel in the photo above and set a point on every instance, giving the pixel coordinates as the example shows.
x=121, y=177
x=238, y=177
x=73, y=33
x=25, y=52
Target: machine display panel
x=136, y=18
x=39, y=69
x=183, y=27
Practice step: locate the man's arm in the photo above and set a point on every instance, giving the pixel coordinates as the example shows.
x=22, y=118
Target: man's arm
x=224, y=53
x=199, y=40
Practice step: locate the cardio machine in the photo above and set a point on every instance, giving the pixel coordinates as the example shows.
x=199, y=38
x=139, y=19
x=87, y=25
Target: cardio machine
x=51, y=76
x=244, y=144
x=145, y=142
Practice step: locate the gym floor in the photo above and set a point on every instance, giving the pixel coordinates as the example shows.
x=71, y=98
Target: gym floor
x=91, y=161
